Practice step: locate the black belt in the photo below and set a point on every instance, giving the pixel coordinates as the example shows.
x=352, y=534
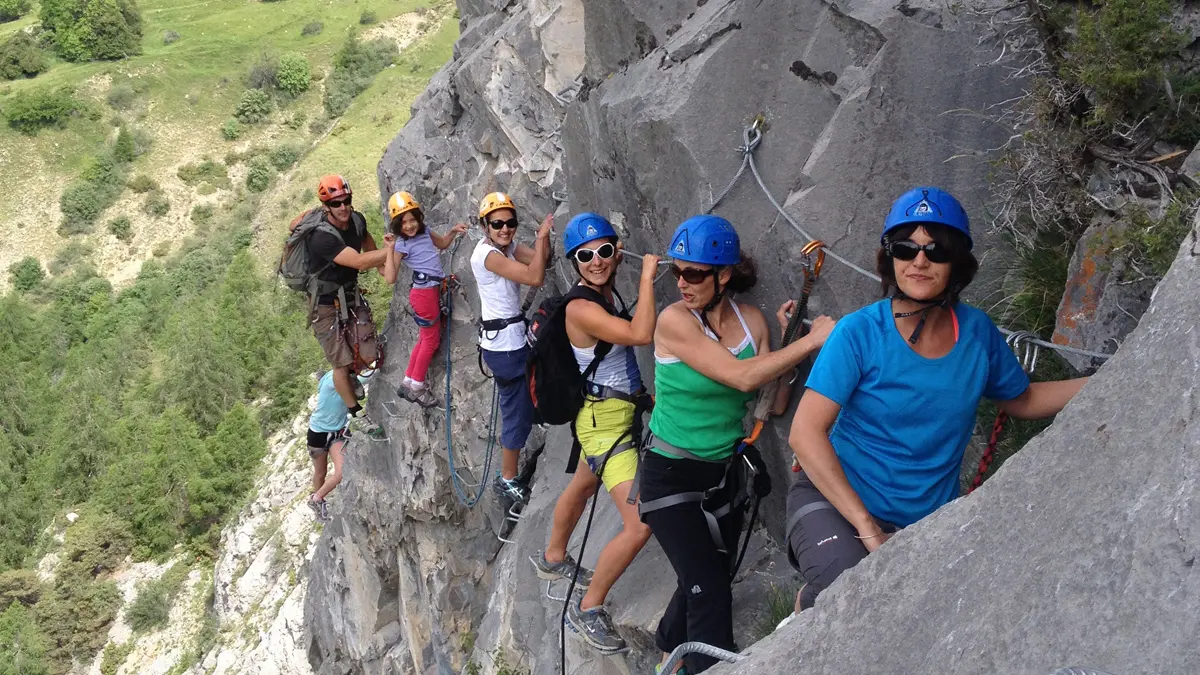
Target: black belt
x=422, y=278
x=601, y=392
x=493, y=325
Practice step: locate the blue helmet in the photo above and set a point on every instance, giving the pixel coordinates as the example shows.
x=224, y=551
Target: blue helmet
x=708, y=240
x=928, y=205
x=586, y=227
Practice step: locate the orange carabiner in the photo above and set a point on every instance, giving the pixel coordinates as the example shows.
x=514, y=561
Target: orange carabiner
x=810, y=266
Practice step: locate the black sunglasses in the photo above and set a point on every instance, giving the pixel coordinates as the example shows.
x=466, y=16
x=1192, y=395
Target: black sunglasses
x=335, y=203
x=691, y=274
x=511, y=224
x=907, y=249
x=605, y=251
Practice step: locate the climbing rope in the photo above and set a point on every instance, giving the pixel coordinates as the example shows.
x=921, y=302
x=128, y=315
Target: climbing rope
x=751, y=138
x=1026, y=348
x=463, y=488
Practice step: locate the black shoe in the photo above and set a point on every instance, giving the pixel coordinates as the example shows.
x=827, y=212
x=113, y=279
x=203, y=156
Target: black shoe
x=512, y=490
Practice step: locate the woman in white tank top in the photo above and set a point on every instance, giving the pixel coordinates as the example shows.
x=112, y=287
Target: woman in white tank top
x=604, y=428
x=501, y=266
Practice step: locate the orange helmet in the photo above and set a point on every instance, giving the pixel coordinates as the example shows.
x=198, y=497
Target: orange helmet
x=494, y=202
x=401, y=203
x=332, y=187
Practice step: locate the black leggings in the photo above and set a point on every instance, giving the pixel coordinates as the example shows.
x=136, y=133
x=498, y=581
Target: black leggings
x=701, y=609
x=821, y=543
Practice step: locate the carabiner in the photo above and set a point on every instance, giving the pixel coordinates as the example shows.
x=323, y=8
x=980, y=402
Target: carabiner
x=812, y=267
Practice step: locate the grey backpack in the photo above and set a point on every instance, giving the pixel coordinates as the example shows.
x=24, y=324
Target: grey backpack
x=296, y=261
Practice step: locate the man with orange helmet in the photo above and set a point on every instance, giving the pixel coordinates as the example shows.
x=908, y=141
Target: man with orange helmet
x=342, y=320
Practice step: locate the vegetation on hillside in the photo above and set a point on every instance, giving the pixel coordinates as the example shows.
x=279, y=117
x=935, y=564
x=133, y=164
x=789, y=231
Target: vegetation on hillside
x=1108, y=79
x=86, y=30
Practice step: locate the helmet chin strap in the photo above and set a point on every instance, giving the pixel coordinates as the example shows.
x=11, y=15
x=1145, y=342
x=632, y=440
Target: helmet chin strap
x=942, y=301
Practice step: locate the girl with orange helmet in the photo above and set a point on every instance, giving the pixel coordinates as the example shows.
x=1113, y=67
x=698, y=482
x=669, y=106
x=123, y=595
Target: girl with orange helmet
x=408, y=240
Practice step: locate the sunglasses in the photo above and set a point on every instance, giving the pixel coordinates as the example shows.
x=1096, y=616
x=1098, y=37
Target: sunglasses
x=907, y=249
x=691, y=274
x=338, y=203
x=605, y=251
x=511, y=224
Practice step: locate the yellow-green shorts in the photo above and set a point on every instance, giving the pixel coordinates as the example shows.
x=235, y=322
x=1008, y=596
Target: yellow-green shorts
x=598, y=427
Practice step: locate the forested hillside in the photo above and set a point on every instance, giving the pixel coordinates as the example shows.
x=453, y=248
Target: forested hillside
x=146, y=348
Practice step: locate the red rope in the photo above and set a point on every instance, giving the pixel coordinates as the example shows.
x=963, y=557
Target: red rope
x=990, y=453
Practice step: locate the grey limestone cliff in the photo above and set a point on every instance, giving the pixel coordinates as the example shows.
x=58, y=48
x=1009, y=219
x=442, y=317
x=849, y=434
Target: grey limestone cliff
x=635, y=110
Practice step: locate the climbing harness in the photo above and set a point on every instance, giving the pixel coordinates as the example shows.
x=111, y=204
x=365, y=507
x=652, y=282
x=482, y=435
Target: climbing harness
x=751, y=138
x=1025, y=345
x=686, y=648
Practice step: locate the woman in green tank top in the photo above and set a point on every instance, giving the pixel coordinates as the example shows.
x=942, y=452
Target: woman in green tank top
x=711, y=354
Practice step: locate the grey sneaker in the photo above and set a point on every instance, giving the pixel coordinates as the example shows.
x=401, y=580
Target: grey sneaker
x=422, y=397
x=513, y=490
x=560, y=570
x=319, y=508
x=594, y=626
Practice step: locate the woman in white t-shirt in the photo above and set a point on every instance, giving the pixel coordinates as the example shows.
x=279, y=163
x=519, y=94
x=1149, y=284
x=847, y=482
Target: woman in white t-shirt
x=501, y=266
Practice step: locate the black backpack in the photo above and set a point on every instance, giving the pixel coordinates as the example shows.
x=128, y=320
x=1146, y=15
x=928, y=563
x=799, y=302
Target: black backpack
x=555, y=383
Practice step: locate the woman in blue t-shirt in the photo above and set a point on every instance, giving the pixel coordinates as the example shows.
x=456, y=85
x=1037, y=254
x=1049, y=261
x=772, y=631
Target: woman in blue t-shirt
x=891, y=400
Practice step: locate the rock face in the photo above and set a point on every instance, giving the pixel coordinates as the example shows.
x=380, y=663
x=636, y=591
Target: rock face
x=1105, y=295
x=634, y=110
x=1025, y=575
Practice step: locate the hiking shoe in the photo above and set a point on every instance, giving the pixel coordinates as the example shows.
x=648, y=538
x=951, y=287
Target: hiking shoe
x=560, y=570
x=422, y=397
x=658, y=670
x=594, y=626
x=512, y=490
x=320, y=509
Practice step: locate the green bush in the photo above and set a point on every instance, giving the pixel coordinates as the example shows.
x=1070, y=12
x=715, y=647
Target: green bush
x=368, y=17
x=258, y=176
x=162, y=249
x=11, y=10
x=21, y=586
x=354, y=67
x=152, y=606
x=202, y=214
x=293, y=75
x=283, y=157
x=1118, y=53
x=115, y=656
x=75, y=617
x=253, y=107
x=81, y=203
x=142, y=183
x=87, y=30
x=156, y=204
x=297, y=120
x=124, y=149
x=170, y=37
x=121, y=96
x=205, y=172
x=29, y=111
x=231, y=130
x=20, y=56
x=121, y=228
x=22, y=645
x=312, y=28
x=25, y=275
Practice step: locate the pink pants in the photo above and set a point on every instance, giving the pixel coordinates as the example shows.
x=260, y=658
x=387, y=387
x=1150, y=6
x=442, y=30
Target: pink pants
x=424, y=303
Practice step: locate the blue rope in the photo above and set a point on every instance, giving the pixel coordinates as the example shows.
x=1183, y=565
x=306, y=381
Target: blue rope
x=461, y=487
